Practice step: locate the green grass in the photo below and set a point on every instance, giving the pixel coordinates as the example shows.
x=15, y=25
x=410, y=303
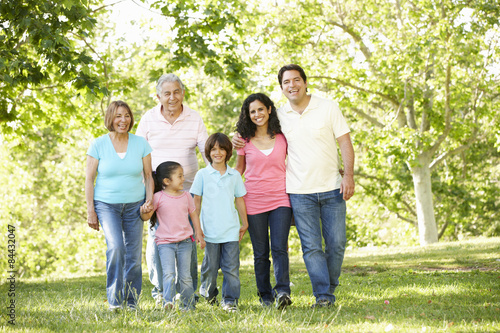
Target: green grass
x=449, y=287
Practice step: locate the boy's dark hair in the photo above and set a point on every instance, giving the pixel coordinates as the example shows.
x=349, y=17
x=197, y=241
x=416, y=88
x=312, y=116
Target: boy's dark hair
x=291, y=67
x=164, y=170
x=247, y=128
x=223, y=142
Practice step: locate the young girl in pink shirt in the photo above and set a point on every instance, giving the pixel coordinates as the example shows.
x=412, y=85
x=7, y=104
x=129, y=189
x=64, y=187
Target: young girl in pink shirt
x=171, y=207
x=268, y=206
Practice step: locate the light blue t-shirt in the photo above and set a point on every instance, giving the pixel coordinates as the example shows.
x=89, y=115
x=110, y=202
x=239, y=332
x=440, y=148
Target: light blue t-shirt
x=219, y=218
x=119, y=180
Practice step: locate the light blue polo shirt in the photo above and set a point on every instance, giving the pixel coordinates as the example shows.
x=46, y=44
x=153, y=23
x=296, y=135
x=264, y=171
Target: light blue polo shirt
x=119, y=180
x=219, y=218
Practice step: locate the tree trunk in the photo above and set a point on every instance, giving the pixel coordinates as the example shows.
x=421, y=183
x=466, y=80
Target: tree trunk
x=427, y=228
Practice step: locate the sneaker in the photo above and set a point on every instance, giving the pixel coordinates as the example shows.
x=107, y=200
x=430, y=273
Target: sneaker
x=159, y=299
x=266, y=303
x=115, y=307
x=282, y=301
x=168, y=306
x=321, y=303
x=131, y=307
x=213, y=301
x=229, y=307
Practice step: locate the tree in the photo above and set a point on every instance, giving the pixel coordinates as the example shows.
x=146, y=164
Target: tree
x=43, y=47
x=418, y=74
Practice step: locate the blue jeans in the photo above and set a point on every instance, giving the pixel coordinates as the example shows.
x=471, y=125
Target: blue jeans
x=177, y=255
x=122, y=226
x=323, y=266
x=154, y=264
x=225, y=256
x=277, y=222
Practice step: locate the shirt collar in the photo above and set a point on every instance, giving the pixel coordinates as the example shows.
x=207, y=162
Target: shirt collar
x=313, y=104
x=186, y=112
x=229, y=170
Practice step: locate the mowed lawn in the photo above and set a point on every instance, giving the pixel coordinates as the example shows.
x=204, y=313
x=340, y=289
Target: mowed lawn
x=448, y=287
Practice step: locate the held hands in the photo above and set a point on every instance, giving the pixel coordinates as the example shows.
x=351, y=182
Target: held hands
x=92, y=220
x=200, y=239
x=147, y=207
x=237, y=141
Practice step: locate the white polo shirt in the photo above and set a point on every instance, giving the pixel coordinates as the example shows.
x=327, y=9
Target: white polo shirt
x=313, y=161
x=175, y=142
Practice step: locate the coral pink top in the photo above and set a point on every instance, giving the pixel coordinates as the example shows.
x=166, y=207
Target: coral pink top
x=172, y=213
x=265, y=179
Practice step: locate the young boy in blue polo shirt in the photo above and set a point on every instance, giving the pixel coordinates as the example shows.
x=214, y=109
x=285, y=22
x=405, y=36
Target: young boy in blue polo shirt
x=222, y=189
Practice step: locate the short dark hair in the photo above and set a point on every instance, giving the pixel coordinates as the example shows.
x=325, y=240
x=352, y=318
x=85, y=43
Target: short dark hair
x=223, y=142
x=291, y=67
x=247, y=128
x=111, y=112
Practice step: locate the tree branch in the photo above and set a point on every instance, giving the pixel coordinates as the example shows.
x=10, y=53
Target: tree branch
x=365, y=116
x=447, y=110
x=389, y=98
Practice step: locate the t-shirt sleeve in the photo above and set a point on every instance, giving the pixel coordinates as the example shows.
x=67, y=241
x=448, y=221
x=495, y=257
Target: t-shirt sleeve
x=191, y=206
x=197, y=186
x=239, y=190
x=147, y=148
x=156, y=200
x=93, y=151
x=339, y=123
x=241, y=151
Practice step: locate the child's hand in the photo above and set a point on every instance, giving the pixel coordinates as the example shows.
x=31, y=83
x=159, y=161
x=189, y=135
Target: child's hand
x=200, y=239
x=147, y=207
x=243, y=229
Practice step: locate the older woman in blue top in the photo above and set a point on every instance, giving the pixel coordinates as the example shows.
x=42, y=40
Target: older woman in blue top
x=121, y=161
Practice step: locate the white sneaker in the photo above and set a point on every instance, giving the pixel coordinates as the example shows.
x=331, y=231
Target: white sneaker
x=229, y=307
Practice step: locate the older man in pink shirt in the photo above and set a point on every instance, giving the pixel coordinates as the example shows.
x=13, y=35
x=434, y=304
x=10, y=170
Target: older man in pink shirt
x=174, y=131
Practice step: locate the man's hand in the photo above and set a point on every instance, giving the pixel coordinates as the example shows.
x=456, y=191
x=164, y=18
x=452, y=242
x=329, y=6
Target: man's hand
x=347, y=186
x=238, y=141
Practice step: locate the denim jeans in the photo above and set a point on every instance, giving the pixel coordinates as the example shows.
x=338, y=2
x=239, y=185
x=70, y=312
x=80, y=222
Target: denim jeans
x=277, y=223
x=154, y=263
x=172, y=256
x=225, y=256
x=122, y=228
x=323, y=266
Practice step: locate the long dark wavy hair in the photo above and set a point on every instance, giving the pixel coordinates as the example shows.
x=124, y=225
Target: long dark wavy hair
x=247, y=128
x=164, y=170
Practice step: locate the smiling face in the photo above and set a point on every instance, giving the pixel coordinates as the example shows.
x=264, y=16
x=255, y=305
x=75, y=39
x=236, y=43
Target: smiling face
x=294, y=87
x=121, y=121
x=259, y=114
x=171, y=97
x=176, y=181
x=218, y=154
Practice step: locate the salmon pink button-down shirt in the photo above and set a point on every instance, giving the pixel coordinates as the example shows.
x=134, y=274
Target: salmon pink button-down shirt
x=175, y=142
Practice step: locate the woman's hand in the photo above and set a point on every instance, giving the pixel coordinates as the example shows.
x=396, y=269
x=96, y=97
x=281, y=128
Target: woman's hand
x=92, y=220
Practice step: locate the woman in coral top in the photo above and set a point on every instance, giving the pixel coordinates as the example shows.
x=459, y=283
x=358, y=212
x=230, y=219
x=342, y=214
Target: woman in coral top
x=262, y=160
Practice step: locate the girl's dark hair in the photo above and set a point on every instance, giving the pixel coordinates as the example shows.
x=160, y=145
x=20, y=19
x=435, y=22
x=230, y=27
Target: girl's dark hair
x=164, y=170
x=224, y=143
x=247, y=128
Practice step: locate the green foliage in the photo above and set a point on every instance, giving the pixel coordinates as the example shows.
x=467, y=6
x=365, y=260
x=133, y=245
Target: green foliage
x=42, y=48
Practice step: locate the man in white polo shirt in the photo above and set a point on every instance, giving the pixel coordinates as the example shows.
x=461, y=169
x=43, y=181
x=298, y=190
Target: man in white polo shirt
x=312, y=127
x=174, y=131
